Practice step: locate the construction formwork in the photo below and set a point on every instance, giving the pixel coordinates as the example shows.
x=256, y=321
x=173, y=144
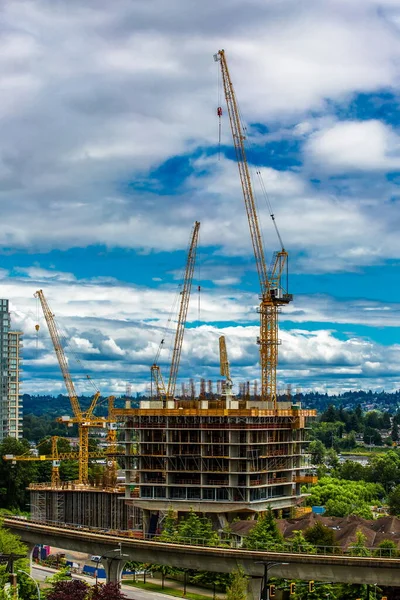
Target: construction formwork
x=80, y=505
x=222, y=459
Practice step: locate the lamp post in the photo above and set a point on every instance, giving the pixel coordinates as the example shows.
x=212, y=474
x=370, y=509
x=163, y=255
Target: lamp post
x=33, y=579
x=264, y=585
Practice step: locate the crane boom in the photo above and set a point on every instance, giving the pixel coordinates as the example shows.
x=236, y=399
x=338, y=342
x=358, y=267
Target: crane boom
x=224, y=366
x=272, y=293
x=84, y=419
x=183, y=310
x=62, y=361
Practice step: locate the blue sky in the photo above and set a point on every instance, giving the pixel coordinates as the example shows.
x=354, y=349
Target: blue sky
x=109, y=153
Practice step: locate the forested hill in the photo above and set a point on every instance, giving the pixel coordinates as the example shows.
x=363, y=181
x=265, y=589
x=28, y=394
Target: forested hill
x=59, y=405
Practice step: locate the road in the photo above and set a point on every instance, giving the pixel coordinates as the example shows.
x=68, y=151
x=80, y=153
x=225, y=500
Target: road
x=40, y=574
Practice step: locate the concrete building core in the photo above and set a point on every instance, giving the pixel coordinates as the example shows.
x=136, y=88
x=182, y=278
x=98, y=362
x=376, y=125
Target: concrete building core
x=10, y=358
x=223, y=459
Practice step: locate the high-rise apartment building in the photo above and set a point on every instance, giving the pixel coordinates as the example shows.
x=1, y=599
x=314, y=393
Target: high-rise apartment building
x=10, y=357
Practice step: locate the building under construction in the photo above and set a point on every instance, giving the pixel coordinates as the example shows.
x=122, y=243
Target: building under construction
x=86, y=506
x=224, y=458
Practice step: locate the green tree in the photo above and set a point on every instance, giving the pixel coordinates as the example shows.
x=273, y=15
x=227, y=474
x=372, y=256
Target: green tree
x=322, y=537
x=237, y=590
x=394, y=501
x=265, y=534
x=385, y=469
x=387, y=549
x=395, y=432
x=372, y=436
x=359, y=547
x=317, y=451
x=298, y=543
x=352, y=471
x=170, y=527
x=15, y=478
x=195, y=530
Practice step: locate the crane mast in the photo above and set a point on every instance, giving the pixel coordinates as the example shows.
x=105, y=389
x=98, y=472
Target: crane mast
x=272, y=293
x=167, y=392
x=183, y=310
x=85, y=419
x=224, y=367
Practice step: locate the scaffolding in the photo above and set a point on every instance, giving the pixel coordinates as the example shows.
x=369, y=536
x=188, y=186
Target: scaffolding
x=223, y=461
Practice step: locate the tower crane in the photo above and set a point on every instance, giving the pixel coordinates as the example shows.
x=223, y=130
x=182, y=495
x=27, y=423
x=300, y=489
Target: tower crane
x=273, y=293
x=84, y=419
x=56, y=457
x=163, y=391
x=224, y=367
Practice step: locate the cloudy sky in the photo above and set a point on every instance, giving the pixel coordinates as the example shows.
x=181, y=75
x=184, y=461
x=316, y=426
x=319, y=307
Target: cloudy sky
x=109, y=152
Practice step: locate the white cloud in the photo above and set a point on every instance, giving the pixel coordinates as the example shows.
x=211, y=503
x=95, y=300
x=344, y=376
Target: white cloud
x=355, y=145
x=98, y=95
x=115, y=332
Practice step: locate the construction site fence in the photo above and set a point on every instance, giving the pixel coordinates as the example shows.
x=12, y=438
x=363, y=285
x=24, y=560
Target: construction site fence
x=285, y=547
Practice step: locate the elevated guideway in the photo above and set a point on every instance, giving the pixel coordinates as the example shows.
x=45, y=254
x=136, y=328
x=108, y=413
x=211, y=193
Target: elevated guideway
x=119, y=549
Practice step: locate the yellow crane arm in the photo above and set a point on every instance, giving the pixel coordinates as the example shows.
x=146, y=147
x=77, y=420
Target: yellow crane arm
x=224, y=366
x=185, y=296
x=62, y=361
x=244, y=173
x=223, y=358
x=57, y=456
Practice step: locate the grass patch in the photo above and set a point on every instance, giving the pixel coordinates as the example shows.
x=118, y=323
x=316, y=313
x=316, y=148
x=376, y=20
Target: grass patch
x=366, y=452
x=168, y=591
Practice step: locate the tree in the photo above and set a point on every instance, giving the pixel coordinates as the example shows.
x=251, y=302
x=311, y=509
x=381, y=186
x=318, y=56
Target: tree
x=15, y=478
x=372, y=436
x=385, y=469
x=298, y=543
x=317, y=451
x=195, y=530
x=394, y=501
x=170, y=528
x=395, y=432
x=321, y=536
x=352, y=471
x=265, y=534
x=387, y=549
x=237, y=590
x=359, y=547
x=74, y=589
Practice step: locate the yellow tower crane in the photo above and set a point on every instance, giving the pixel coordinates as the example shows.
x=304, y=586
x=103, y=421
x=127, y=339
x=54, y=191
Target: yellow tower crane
x=168, y=392
x=56, y=457
x=273, y=294
x=225, y=368
x=84, y=419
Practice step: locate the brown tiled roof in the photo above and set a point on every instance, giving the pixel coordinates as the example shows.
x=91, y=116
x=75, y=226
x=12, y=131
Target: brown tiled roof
x=345, y=528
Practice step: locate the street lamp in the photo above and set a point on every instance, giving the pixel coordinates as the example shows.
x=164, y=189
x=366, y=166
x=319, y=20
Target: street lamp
x=264, y=584
x=34, y=581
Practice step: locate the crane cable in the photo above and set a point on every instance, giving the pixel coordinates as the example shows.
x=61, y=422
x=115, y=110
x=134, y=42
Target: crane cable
x=64, y=338
x=250, y=145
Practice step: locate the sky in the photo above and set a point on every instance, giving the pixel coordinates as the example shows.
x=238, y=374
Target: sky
x=109, y=152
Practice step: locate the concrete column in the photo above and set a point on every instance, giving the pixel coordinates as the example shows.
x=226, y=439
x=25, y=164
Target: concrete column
x=113, y=568
x=29, y=553
x=254, y=588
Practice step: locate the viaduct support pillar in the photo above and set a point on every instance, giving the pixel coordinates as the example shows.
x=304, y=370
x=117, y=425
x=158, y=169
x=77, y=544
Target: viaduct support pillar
x=29, y=554
x=113, y=568
x=254, y=588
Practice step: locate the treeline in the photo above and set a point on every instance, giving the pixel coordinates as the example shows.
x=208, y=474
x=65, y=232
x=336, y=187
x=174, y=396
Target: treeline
x=343, y=429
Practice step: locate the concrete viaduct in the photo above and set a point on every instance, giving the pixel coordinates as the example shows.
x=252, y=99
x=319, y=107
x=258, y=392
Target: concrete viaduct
x=341, y=569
